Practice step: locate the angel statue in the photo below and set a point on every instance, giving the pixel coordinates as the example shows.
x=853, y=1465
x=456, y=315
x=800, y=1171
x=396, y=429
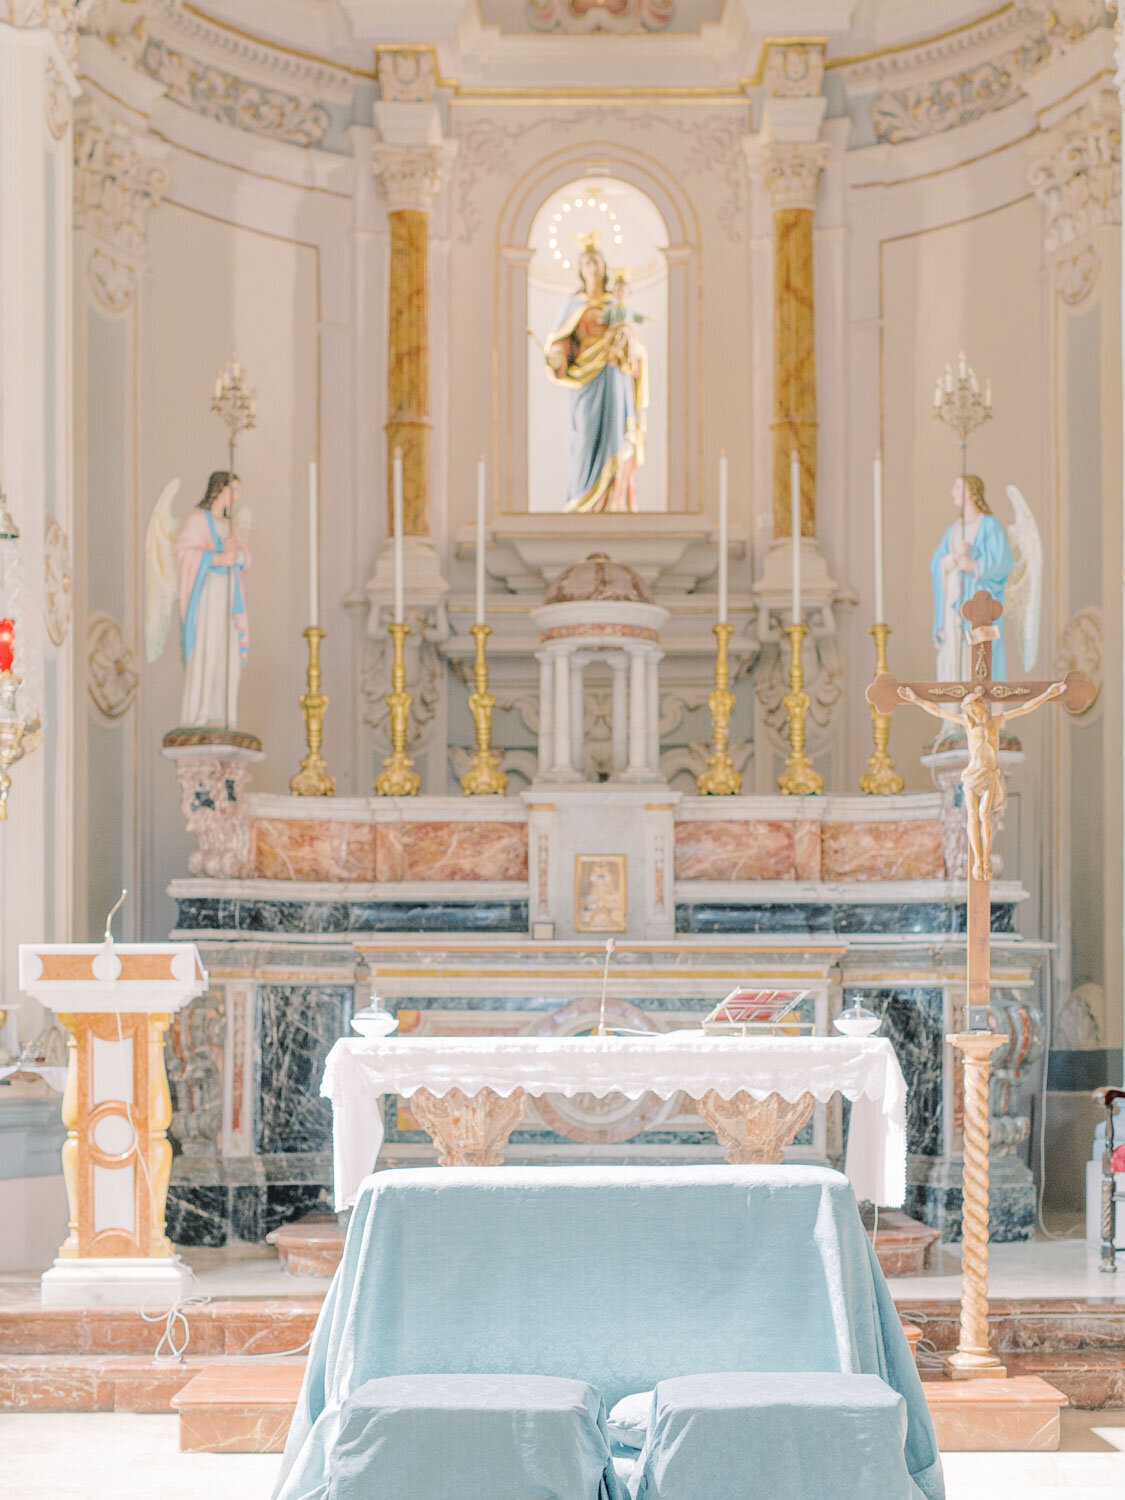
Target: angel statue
x=201, y=563
x=595, y=352
x=976, y=552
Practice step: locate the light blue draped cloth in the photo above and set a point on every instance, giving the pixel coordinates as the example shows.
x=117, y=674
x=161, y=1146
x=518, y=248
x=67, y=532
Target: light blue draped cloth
x=617, y=1276
x=472, y=1437
x=992, y=562
x=803, y=1437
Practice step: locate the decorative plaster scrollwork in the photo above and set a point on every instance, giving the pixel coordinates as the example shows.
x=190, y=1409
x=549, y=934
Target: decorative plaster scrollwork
x=1077, y=173
x=118, y=177
x=714, y=144
x=1077, y=275
x=1081, y=647
x=411, y=176
x=222, y=96
x=113, y=284
x=112, y=674
x=577, y=17
x=58, y=582
x=62, y=18
x=56, y=101
x=988, y=84
x=407, y=75
x=793, y=171
x=794, y=71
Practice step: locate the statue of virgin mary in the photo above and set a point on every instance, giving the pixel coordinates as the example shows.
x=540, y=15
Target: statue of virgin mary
x=596, y=354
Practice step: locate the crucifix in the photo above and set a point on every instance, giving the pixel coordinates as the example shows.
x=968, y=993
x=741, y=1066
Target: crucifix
x=980, y=707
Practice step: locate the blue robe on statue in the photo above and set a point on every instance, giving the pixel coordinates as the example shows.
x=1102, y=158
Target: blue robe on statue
x=992, y=562
x=605, y=434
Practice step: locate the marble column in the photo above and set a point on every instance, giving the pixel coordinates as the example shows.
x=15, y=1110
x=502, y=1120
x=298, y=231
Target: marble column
x=638, y=704
x=563, y=767
x=619, y=666
x=577, y=710
x=410, y=163
x=546, y=712
x=792, y=172
x=652, y=669
x=37, y=87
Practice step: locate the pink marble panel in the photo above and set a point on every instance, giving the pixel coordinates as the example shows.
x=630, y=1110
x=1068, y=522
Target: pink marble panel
x=450, y=851
x=883, y=851
x=305, y=849
x=734, y=850
x=807, y=853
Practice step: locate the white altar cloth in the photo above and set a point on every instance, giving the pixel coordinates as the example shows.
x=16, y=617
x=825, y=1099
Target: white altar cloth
x=359, y=1072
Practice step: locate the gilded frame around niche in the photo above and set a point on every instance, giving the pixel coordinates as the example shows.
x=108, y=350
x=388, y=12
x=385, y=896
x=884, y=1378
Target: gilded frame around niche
x=601, y=893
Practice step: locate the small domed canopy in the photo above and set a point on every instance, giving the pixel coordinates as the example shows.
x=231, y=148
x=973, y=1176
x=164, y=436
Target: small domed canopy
x=599, y=578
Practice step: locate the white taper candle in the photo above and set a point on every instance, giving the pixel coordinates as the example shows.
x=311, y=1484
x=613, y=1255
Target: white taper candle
x=795, y=529
x=480, y=541
x=400, y=605
x=314, y=547
x=880, y=609
x=723, y=558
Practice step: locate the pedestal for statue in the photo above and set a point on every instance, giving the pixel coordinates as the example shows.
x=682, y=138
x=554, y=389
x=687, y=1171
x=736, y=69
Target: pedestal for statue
x=116, y=1001
x=213, y=767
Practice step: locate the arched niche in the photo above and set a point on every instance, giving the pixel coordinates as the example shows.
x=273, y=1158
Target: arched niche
x=515, y=253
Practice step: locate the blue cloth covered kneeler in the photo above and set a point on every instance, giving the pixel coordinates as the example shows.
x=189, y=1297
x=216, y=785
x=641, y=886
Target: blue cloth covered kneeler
x=619, y=1277
x=801, y=1437
x=472, y=1437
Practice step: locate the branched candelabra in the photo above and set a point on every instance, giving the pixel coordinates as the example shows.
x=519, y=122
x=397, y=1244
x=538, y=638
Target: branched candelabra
x=959, y=403
x=233, y=402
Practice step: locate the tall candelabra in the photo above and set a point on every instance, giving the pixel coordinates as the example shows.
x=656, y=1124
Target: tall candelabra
x=236, y=406
x=313, y=780
x=398, y=777
x=880, y=779
x=799, y=778
x=484, y=776
x=720, y=779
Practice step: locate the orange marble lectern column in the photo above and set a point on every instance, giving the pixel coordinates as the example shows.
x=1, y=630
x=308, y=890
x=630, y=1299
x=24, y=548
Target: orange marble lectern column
x=116, y=1001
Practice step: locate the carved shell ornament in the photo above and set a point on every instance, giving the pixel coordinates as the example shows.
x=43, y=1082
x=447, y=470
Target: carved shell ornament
x=112, y=674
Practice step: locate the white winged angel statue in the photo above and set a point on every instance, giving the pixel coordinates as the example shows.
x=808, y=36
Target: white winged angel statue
x=201, y=564
x=978, y=552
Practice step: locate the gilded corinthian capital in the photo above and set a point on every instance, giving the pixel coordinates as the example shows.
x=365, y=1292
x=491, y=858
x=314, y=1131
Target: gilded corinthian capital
x=411, y=176
x=792, y=170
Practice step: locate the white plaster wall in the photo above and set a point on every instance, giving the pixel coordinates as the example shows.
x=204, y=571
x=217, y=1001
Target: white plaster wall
x=215, y=286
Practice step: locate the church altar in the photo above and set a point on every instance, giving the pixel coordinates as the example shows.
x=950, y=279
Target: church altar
x=755, y=1092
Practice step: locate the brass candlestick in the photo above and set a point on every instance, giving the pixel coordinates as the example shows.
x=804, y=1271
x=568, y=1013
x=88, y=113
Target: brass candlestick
x=880, y=779
x=398, y=777
x=313, y=780
x=720, y=779
x=799, y=779
x=484, y=778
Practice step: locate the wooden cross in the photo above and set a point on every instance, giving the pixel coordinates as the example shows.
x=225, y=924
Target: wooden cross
x=972, y=705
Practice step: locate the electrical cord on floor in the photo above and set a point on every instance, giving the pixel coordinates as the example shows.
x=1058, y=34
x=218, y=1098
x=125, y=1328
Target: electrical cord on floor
x=176, y=1338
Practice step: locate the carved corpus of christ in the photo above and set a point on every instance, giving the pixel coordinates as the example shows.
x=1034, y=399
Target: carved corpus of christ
x=981, y=779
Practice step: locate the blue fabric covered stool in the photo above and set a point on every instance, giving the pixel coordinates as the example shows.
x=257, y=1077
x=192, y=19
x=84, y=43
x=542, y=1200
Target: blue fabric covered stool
x=472, y=1437
x=803, y=1437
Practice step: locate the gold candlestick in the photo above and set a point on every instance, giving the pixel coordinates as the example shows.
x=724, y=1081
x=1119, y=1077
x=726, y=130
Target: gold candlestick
x=484, y=778
x=720, y=779
x=880, y=779
x=398, y=777
x=313, y=780
x=799, y=779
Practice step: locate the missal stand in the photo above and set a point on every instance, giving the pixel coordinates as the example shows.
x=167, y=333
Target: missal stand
x=116, y=1001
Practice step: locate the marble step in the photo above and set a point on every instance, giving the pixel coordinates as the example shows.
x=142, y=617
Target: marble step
x=1023, y=1325
x=231, y=1327
x=1019, y=1414
x=117, y=1383
x=226, y=1409
x=313, y=1246
x=229, y=1409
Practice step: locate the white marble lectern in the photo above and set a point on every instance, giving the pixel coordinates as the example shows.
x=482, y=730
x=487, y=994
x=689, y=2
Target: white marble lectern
x=116, y=1000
